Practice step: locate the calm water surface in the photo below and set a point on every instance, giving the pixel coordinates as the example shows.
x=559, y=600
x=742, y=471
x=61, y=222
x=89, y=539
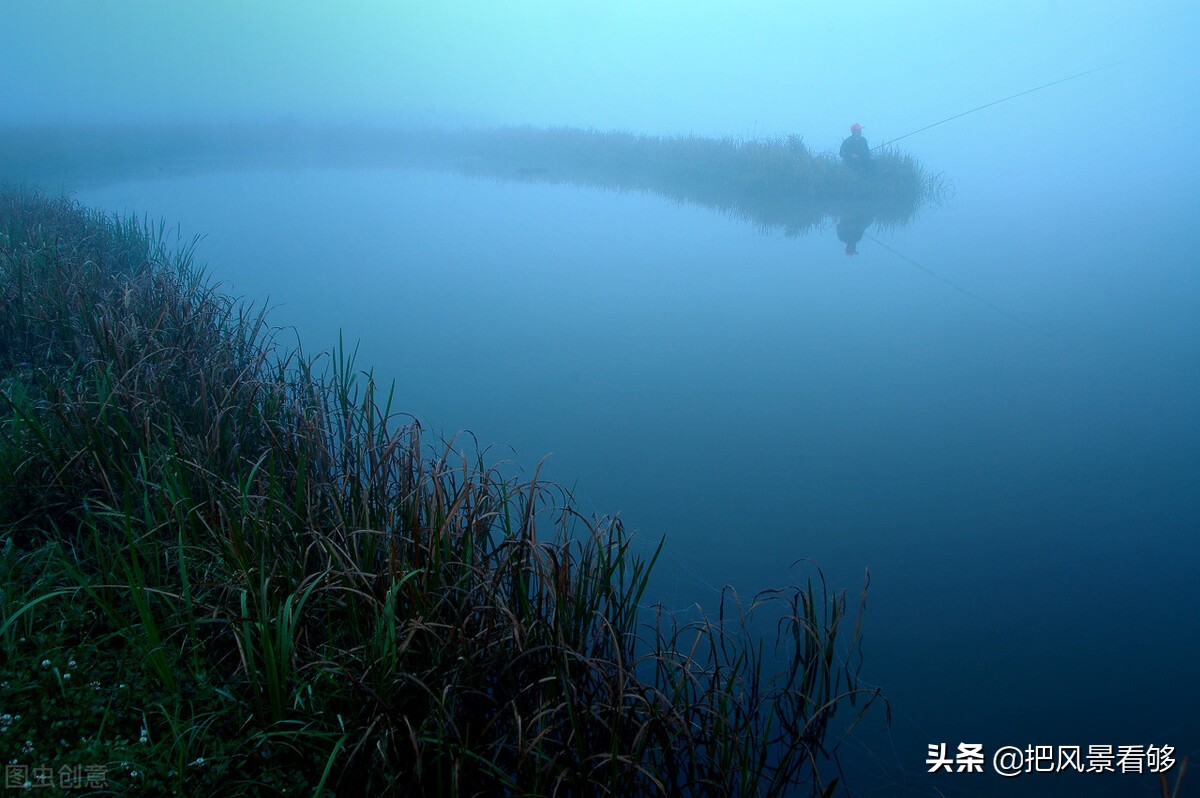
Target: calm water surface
x=1000, y=419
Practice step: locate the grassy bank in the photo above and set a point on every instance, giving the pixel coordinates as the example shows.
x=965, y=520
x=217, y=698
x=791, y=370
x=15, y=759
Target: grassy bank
x=229, y=568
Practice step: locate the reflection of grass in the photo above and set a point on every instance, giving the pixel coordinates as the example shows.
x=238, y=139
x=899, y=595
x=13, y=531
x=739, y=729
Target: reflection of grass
x=775, y=183
x=1169, y=791
x=227, y=573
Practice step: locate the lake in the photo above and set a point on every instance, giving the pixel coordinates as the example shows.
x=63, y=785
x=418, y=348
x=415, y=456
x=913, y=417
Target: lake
x=996, y=410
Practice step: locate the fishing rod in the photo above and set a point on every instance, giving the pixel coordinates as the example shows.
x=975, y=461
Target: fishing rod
x=929, y=271
x=997, y=102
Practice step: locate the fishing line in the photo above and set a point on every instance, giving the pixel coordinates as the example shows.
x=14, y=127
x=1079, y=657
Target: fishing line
x=952, y=284
x=997, y=102
x=929, y=271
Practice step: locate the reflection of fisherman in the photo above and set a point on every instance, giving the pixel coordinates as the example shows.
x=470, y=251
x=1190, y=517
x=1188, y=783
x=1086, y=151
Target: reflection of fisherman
x=852, y=226
x=855, y=151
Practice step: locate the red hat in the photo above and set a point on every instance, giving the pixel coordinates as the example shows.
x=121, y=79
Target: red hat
x=855, y=127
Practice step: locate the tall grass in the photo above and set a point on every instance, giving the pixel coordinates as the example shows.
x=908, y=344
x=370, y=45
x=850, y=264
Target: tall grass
x=232, y=569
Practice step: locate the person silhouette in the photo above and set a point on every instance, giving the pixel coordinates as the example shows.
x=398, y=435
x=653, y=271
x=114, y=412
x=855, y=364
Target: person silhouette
x=855, y=152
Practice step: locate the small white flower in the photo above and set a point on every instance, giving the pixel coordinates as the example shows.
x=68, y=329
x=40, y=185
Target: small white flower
x=45, y=664
x=71, y=664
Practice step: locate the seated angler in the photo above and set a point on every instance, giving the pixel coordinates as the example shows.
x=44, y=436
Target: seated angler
x=855, y=151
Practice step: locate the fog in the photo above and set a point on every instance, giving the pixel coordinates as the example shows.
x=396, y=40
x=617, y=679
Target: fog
x=661, y=67
x=995, y=407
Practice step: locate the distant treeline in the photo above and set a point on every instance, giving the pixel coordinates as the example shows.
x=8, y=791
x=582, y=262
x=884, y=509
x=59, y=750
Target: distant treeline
x=775, y=183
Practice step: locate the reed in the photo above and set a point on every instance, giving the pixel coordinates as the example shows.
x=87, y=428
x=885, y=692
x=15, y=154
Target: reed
x=230, y=568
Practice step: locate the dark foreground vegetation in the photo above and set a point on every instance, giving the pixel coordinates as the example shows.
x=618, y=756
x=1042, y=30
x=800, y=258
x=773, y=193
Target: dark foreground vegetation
x=774, y=183
x=228, y=569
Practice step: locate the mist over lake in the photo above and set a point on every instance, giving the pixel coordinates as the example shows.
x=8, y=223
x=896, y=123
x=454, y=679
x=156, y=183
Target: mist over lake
x=993, y=406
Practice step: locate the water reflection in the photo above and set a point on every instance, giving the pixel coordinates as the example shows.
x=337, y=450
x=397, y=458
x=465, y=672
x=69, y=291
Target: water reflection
x=775, y=184
x=852, y=224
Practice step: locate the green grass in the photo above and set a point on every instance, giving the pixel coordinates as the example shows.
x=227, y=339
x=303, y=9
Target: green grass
x=229, y=568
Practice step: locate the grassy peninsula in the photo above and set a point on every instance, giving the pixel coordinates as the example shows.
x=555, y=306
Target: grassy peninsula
x=776, y=183
x=229, y=568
